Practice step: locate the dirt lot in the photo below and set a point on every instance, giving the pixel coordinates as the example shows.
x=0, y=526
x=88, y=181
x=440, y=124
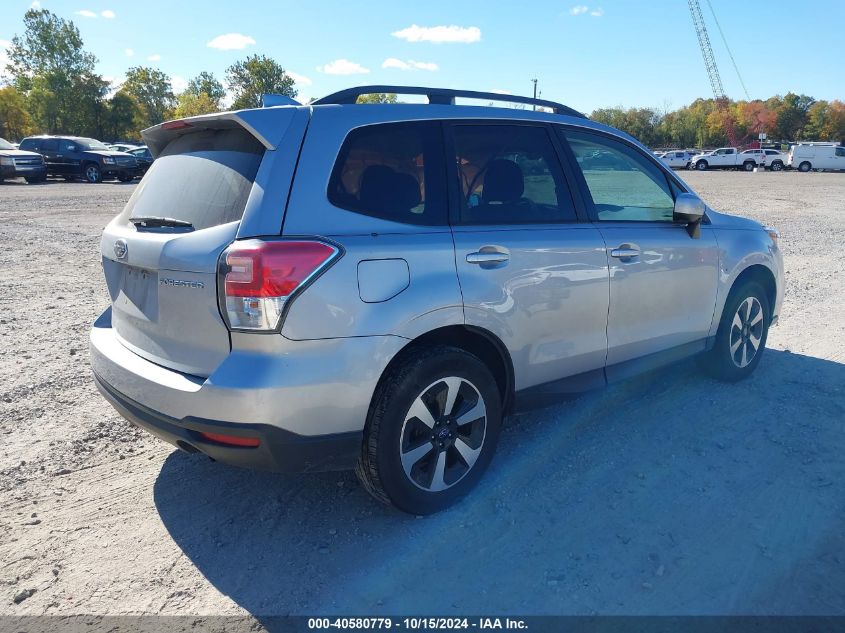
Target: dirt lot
x=668, y=494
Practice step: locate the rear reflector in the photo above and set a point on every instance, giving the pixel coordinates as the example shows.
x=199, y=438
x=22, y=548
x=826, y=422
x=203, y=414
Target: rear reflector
x=231, y=440
x=260, y=276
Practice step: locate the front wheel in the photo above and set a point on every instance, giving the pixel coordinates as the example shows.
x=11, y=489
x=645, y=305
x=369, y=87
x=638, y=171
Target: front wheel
x=93, y=173
x=701, y=165
x=125, y=177
x=432, y=430
x=742, y=334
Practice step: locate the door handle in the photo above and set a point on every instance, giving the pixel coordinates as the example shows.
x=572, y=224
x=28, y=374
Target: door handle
x=625, y=252
x=487, y=257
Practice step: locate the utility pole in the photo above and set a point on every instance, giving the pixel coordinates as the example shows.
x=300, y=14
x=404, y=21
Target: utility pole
x=534, y=81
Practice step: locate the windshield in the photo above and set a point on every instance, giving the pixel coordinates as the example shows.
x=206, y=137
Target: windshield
x=90, y=143
x=4, y=144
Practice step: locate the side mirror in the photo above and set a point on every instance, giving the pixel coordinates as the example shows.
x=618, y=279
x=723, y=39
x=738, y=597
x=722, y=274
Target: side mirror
x=689, y=210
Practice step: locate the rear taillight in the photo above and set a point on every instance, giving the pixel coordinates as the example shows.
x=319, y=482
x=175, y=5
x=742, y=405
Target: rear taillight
x=260, y=277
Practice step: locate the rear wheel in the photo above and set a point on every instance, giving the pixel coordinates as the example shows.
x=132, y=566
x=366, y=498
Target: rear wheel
x=804, y=167
x=701, y=165
x=742, y=334
x=749, y=165
x=92, y=173
x=432, y=430
x=777, y=166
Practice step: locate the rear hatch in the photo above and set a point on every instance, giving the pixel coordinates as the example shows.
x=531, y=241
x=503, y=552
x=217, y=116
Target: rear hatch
x=160, y=254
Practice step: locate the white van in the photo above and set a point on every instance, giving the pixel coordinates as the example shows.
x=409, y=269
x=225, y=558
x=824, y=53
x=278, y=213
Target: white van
x=805, y=157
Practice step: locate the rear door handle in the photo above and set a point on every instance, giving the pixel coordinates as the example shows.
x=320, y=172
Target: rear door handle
x=625, y=252
x=487, y=257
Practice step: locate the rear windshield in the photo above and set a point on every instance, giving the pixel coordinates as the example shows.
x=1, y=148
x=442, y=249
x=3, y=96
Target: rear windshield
x=203, y=178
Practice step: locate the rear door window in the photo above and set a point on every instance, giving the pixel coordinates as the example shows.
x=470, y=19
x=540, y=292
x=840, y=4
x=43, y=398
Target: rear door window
x=50, y=145
x=203, y=178
x=510, y=174
x=393, y=171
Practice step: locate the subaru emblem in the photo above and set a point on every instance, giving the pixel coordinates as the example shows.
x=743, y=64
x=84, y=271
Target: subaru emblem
x=121, y=248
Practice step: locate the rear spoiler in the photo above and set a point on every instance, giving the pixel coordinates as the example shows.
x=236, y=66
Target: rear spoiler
x=268, y=125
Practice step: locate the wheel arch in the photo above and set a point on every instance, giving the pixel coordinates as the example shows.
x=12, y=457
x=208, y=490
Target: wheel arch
x=475, y=340
x=763, y=276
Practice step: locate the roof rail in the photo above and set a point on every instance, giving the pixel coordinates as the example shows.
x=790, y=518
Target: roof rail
x=442, y=96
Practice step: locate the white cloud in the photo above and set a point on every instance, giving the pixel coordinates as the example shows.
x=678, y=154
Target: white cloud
x=154, y=58
x=108, y=14
x=129, y=52
x=392, y=62
x=300, y=80
x=178, y=83
x=343, y=67
x=439, y=34
x=35, y=5
x=85, y=13
x=597, y=13
x=231, y=42
x=578, y=9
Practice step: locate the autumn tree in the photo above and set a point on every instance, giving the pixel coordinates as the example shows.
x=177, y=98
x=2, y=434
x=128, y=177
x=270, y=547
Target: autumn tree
x=255, y=76
x=153, y=91
x=49, y=65
x=15, y=121
x=207, y=84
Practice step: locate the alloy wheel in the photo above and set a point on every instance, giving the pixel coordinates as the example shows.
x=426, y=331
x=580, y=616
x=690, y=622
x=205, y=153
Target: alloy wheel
x=746, y=332
x=443, y=434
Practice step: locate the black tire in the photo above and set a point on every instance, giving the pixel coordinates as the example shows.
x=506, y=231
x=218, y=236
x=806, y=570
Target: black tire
x=92, y=173
x=423, y=374
x=805, y=167
x=777, y=166
x=69, y=178
x=720, y=362
x=125, y=177
x=749, y=165
x=38, y=180
x=701, y=165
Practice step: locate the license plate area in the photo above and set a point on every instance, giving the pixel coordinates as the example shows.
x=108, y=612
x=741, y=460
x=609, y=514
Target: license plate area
x=138, y=293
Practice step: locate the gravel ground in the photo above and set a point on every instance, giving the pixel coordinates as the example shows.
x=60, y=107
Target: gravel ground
x=667, y=494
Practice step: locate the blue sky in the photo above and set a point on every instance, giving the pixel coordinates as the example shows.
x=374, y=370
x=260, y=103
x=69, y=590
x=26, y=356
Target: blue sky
x=588, y=54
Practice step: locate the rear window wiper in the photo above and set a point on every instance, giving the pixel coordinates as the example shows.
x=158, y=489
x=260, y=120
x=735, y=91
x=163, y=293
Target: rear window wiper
x=154, y=222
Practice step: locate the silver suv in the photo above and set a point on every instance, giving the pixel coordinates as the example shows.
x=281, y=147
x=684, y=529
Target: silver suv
x=378, y=286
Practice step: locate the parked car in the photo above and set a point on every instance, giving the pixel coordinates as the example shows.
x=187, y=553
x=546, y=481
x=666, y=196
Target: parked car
x=122, y=147
x=769, y=158
x=76, y=157
x=143, y=156
x=15, y=163
x=805, y=157
x=676, y=159
x=346, y=297
x=725, y=158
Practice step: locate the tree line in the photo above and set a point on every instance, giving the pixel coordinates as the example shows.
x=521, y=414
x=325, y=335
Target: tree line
x=53, y=88
x=704, y=122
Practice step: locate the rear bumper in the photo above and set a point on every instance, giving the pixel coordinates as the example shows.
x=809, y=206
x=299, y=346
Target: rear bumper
x=306, y=401
x=278, y=450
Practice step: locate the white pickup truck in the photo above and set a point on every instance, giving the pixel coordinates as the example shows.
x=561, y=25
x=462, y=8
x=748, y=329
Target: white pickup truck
x=725, y=158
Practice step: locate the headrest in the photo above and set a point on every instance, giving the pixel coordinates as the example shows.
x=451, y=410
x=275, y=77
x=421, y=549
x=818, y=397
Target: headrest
x=503, y=181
